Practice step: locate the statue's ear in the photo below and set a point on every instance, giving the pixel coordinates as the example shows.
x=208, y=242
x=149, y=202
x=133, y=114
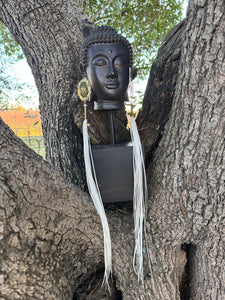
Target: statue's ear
x=134, y=73
x=93, y=97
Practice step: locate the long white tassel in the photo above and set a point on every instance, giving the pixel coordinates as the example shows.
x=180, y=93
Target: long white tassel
x=139, y=199
x=96, y=197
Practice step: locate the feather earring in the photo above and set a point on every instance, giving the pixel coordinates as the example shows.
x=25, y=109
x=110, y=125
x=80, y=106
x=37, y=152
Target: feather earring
x=84, y=92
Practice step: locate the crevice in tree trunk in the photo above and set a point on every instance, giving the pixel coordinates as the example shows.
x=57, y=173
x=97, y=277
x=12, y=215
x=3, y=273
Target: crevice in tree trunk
x=91, y=288
x=150, y=155
x=185, y=282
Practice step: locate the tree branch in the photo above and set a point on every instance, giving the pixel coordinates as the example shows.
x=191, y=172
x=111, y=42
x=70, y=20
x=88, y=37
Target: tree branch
x=160, y=89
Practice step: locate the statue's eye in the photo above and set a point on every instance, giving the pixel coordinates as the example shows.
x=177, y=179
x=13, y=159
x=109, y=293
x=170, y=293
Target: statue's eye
x=121, y=61
x=100, y=61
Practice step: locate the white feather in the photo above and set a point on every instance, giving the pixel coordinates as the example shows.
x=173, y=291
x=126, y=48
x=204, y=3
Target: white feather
x=96, y=197
x=139, y=199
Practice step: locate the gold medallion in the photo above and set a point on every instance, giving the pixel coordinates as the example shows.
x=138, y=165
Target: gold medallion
x=84, y=90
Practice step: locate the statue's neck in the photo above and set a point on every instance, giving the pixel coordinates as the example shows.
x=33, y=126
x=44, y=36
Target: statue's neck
x=108, y=105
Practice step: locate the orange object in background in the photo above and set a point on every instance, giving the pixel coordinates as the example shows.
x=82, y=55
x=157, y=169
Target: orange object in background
x=22, y=121
x=27, y=125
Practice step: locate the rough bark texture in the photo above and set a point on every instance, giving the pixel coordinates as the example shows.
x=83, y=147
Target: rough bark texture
x=51, y=237
x=39, y=27
x=160, y=89
x=186, y=177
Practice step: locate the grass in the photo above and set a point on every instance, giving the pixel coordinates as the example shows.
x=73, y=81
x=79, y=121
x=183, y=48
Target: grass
x=36, y=143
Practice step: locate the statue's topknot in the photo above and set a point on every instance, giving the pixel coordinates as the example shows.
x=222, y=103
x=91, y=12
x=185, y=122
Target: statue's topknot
x=101, y=35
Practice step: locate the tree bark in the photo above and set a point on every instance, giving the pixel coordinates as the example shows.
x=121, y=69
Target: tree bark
x=186, y=176
x=39, y=27
x=51, y=238
x=50, y=234
x=160, y=89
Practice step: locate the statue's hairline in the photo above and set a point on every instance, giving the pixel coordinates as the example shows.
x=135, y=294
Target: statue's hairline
x=110, y=37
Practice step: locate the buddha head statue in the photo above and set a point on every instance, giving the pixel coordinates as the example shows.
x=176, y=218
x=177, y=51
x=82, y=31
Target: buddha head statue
x=106, y=60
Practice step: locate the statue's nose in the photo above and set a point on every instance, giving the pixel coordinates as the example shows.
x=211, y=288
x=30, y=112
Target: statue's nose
x=112, y=72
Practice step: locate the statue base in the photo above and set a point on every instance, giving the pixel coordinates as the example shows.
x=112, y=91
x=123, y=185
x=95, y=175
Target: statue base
x=114, y=171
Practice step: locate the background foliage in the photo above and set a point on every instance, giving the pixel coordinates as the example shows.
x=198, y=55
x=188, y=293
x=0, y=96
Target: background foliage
x=144, y=23
x=8, y=44
x=10, y=87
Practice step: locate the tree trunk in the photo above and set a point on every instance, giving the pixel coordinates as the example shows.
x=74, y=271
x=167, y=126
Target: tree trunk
x=186, y=176
x=51, y=237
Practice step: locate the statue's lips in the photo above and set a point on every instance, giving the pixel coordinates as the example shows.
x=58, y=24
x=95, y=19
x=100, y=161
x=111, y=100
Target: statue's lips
x=112, y=84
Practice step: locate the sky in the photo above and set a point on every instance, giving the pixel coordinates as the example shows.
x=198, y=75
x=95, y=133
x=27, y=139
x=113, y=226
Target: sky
x=22, y=71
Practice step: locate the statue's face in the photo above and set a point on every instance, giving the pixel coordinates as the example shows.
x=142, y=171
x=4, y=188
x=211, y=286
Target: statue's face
x=108, y=70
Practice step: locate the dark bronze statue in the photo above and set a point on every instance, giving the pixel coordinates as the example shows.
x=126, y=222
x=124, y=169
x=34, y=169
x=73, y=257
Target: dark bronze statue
x=106, y=60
